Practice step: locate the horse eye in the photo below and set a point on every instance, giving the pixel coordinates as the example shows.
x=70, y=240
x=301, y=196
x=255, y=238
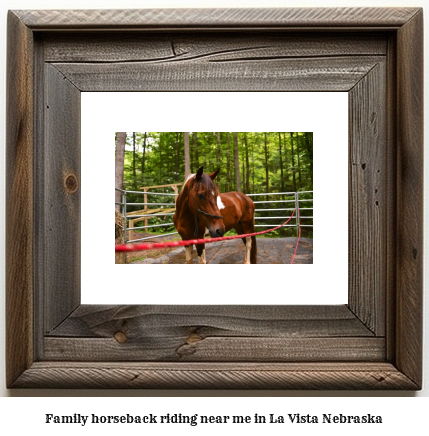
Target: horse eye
x=201, y=196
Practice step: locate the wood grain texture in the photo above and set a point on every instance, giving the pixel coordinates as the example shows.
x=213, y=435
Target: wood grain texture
x=61, y=208
x=324, y=74
x=410, y=198
x=391, y=194
x=192, y=347
x=224, y=47
x=111, y=375
x=213, y=333
x=99, y=321
x=368, y=202
x=217, y=18
x=19, y=200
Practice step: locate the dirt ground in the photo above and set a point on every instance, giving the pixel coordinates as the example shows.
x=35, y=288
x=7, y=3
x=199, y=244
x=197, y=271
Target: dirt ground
x=270, y=251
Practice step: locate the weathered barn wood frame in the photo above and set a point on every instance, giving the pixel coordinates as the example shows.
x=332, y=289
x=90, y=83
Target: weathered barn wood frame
x=373, y=342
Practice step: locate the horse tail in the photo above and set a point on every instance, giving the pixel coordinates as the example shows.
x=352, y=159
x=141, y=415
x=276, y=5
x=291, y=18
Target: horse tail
x=253, y=250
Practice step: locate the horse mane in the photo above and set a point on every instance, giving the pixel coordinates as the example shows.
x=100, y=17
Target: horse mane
x=188, y=177
x=206, y=183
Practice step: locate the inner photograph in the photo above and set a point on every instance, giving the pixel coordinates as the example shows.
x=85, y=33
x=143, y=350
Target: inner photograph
x=214, y=197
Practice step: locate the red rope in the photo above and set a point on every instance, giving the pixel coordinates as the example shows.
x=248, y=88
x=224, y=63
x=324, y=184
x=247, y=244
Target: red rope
x=151, y=246
x=297, y=242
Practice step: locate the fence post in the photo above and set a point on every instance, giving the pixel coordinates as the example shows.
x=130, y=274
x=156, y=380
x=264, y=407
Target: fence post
x=176, y=191
x=131, y=232
x=124, y=213
x=297, y=212
x=145, y=206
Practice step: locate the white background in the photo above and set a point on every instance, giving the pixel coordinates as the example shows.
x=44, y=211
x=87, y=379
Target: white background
x=103, y=282
x=18, y=414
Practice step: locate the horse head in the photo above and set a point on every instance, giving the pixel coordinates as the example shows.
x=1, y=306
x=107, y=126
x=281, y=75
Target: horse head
x=203, y=202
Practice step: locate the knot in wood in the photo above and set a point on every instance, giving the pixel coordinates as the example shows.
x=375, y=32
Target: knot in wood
x=120, y=337
x=193, y=338
x=70, y=183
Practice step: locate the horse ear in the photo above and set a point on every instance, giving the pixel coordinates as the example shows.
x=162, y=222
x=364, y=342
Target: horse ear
x=214, y=174
x=199, y=173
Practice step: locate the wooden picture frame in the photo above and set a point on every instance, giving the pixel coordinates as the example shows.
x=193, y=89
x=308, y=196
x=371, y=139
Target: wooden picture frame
x=373, y=342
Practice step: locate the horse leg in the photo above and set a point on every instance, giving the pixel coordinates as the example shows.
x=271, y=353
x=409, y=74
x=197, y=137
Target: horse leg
x=201, y=250
x=251, y=249
x=248, y=249
x=247, y=242
x=188, y=252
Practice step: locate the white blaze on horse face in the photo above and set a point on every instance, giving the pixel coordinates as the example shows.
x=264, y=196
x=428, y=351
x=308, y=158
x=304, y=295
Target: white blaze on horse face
x=248, y=249
x=220, y=205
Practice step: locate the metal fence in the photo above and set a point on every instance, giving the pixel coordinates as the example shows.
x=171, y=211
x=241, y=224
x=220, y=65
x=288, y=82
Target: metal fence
x=301, y=201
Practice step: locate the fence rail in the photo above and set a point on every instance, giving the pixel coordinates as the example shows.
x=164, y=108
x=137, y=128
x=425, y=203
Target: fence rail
x=288, y=197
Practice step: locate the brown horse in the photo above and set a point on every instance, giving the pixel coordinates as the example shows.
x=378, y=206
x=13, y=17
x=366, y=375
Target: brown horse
x=200, y=207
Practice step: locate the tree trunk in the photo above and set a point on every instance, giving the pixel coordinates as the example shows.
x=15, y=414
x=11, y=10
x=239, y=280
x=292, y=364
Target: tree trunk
x=253, y=165
x=309, y=148
x=161, y=136
x=197, y=161
x=218, y=178
x=205, y=147
x=247, y=165
x=293, y=162
x=285, y=174
x=177, y=161
x=144, y=155
x=267, y=179
x=187, y=163
x=236, y=163
x=121, y=139
x=228, y=164
x=298, y=161
x=282, y=183
x=243, y=172
x=243, y=167
x=134, y=161
x=191, y=154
